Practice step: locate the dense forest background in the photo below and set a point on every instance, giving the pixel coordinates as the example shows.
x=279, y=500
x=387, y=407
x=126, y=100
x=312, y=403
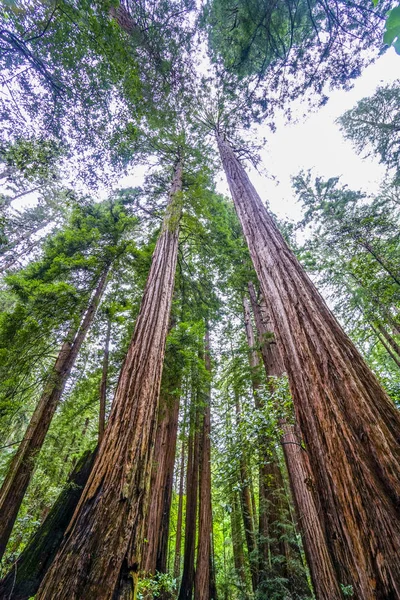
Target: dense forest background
x=182, y=414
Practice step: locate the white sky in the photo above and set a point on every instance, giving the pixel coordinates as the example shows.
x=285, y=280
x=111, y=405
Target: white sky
x=317, y=144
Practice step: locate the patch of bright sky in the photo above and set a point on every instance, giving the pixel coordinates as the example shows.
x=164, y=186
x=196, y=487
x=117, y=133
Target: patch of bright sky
x=317, y=143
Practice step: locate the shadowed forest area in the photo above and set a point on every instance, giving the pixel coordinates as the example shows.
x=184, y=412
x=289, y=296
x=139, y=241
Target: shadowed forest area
x=199, y=399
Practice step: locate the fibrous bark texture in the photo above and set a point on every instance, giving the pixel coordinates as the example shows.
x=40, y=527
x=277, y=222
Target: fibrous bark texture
x=350, y=426
x=23, y=580
x=308, y=511
x=271, y=357
x=22, y=466
x=203, y=578
x=273, y=549
x=155, y=552
x=308, y=518
x=108, y=524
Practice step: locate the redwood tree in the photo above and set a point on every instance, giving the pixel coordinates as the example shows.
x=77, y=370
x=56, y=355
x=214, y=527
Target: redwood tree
x=157, y=527
x=309, y=519
x=98, y=548
x=274, y=550
x=351, y=428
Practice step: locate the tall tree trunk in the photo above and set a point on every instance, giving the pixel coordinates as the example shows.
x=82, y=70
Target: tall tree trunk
x=367, y=246
x=170, y=444
x=213, y=574
x=265, y=479
x=321, y=567
x=178, y=540
x=202, y=583
x=108, y=524
x=155, y=552
x=388, y=349
x=128, y=24
x=23, y=580
x=351, y=427
x=192, y=481
x=103, y=383
x=22, y=466
x=270, y=542
x=390, y=340
x=270, y=355
x=308, y=519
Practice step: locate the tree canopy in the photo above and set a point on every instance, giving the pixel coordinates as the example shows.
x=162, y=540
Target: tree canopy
x=182, y=414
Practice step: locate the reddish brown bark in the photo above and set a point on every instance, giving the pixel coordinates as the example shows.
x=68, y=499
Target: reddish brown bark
x=103, y=383
x=390, y=340
x=270, y=544
x=192, y=484
x=22, y=466
x=351, y=427
x=108, y=524
x=321, y=567
x=155, y=551
x=203, y=578
x=308, y=519
x=162, y=550
x=270, y=354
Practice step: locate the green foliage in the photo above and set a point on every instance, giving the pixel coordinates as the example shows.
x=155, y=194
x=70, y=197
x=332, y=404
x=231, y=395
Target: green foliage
x=162, y=585
x=347, y=590
x=373, y=126
x=267, y=54
x=97, y=68
x=47, y=297
x=34, y=159
x=391, y=36
x=96, y=88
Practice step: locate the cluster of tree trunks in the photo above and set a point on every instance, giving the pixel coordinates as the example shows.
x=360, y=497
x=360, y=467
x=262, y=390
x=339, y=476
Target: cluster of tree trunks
x=105, y=538
x=40, y=553
x=275, y=554
x=350, y=427
x=155, y=552
x=345, y=458
x=198, y=579
x=319, y=561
